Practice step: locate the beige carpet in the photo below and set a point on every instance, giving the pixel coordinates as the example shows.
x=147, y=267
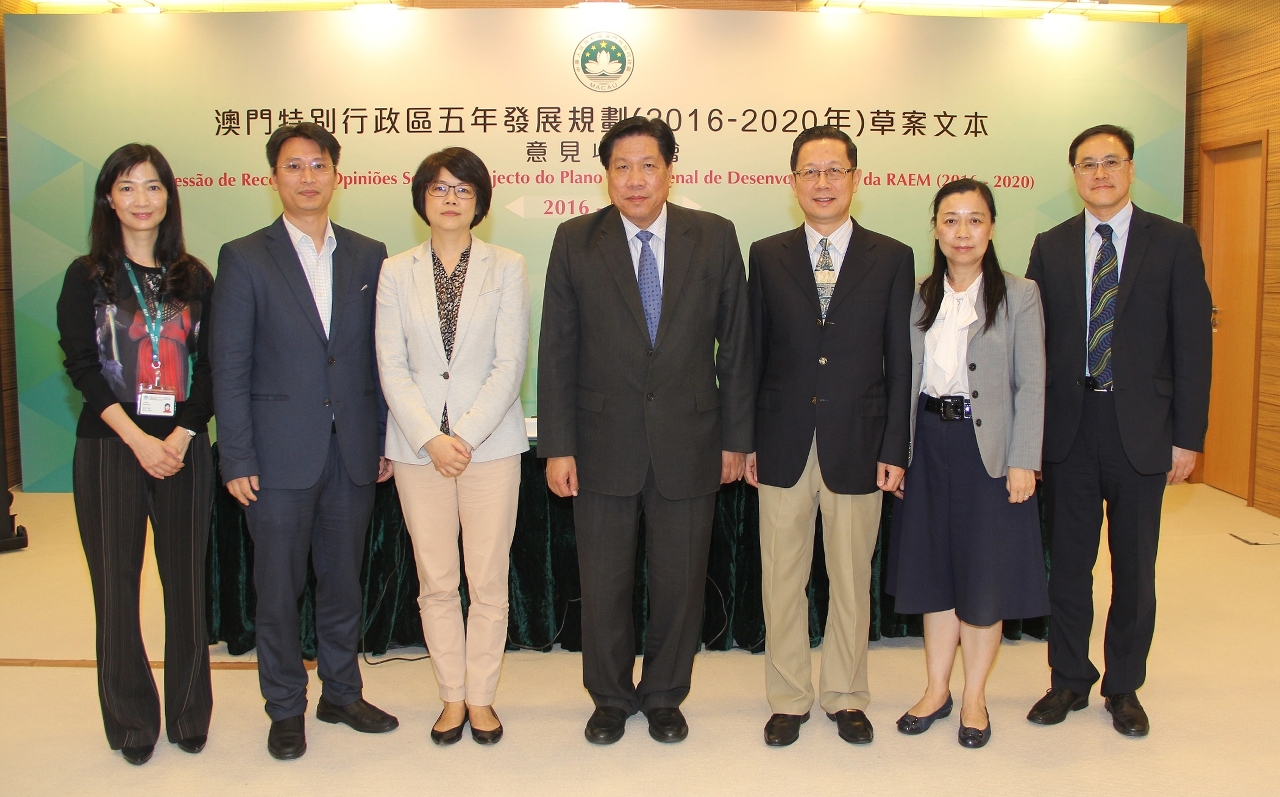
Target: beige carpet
x=1214, y=678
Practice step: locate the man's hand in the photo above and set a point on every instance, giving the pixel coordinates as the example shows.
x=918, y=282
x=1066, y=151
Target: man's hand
x=732, y=466
x=750, y=473
x=385, y=470
x=243, y=488
x=889, y=477
x=562, y=476
x=1021, y=484
x=449, y=455
x=1184, y=461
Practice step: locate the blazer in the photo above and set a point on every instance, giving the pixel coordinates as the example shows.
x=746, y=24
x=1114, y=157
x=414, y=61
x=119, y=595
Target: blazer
x=847, y=379
x=280, y=385
x=618, y=403
x=480, y=384
x=1161, y=343
x=1006, y=377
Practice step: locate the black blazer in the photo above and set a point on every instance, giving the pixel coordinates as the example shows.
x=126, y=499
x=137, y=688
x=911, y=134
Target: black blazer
x=279, y=384
x=608, y=398
x=848, y=377
x=1161, y=344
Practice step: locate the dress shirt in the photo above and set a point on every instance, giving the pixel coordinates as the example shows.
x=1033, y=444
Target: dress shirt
x=658, y=243
x=317, y=266
x=837, y=244
x=1092, y=244
x=946, y=344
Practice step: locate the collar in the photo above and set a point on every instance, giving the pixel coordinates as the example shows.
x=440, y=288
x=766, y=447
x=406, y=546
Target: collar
x=658, y=228
x=970, y=293
x=1119, y=222
x=297, y=236
x=838, y=240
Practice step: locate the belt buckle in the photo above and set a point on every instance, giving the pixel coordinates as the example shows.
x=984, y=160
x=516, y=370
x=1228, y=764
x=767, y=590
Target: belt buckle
x=953, y=408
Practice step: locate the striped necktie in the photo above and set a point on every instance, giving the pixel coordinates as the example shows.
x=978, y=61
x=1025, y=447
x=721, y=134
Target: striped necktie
x=1102, y=308
x=824, y=274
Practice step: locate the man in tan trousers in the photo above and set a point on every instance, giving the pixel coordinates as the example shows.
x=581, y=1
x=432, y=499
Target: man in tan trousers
x=830, y=307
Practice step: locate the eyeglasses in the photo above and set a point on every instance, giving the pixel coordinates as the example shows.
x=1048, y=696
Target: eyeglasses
x=462, y=191
x=1108, y=165
x=835, y=174
x=295, y=168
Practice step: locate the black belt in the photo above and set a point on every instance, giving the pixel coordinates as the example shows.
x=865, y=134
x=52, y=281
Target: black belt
x=1093, y=383
x=949, y=408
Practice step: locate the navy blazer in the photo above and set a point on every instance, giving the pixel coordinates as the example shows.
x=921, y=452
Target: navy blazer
x=279, y=384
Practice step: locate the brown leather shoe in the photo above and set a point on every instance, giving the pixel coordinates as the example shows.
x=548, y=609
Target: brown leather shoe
x=1127, y=715
x=1056, y=705
x=853, y=726
x=783, y=729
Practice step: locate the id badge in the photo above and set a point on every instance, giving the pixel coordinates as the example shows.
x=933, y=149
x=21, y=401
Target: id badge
x=153, y=400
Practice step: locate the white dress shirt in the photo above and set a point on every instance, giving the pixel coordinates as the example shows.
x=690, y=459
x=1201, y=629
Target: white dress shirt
x=946, y=344
x=658, y=243
x=317, y=266
x=1092, y=245
x=837, y=244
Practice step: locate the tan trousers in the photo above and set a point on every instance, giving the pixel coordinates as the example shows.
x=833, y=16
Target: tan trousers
x=850, y=524
x=483, y=500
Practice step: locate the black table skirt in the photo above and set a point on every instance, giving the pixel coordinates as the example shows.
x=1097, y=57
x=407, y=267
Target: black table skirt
x=544, y=588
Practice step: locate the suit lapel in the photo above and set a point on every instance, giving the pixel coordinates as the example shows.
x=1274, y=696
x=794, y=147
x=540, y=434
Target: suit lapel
x=281, y=248
x=1079, y=271
x=478, y=268
x=611, y=240
x=680, y=244
x=798, y=264
x=1134, y=252
x=344, y=266
x=857, y=262
x=424, y=284
x=979, y=307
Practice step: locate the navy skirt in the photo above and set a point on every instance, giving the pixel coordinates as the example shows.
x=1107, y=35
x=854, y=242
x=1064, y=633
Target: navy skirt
x=956, y=541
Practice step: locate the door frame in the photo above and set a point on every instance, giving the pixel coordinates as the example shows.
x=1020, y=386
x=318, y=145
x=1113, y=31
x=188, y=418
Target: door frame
x=1205, y=230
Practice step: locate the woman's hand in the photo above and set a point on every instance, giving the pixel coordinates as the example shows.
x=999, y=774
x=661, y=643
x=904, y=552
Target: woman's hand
x=157, y=457
x=1021, y=484
x=179, y=440
x=449, y=455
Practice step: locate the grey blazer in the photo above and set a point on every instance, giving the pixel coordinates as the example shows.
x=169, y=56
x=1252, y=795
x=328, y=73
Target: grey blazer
x=481, y=383
x=1006, y=377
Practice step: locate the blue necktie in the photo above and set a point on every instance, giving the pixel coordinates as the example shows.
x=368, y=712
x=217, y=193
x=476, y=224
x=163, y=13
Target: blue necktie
x=1102, y=307
x=650, y=286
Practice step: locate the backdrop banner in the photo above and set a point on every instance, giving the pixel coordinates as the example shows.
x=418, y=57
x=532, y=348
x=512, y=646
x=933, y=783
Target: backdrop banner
x=531, y=91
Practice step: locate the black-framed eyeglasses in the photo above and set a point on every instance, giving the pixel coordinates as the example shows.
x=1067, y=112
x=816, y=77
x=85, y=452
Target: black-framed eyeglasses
x=1108, y=165
x=462, y=191
x=835, y=174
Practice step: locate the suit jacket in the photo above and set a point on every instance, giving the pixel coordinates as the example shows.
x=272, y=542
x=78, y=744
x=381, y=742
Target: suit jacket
x=1006, y=377
x=616, y=402
x=279, y=384
x=480, y=384
x=847, y=379
x=1161, y=344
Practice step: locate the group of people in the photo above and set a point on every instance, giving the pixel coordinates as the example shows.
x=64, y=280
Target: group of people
x=827, y=378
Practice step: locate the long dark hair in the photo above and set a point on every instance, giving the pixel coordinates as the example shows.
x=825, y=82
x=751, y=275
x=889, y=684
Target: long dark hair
x=993, y=287
x=186, y=277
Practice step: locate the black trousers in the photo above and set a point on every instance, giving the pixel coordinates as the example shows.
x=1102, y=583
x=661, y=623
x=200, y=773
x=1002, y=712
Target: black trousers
x=677, y=542
x=1097, y=471
x=114, y=497
x=327, y=521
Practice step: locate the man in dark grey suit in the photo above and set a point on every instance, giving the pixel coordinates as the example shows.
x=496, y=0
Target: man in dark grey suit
x=638, y=410
x=300, y=428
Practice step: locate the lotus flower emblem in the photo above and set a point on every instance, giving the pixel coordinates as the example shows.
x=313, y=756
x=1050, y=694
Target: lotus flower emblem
x=603, y=64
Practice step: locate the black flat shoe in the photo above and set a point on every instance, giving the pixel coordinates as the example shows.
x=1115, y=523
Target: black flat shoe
x=606, y=726
x=853, y=726
x=487, y=737
x=912, y=725
x=783, y=729
x=1127, y=715
x=1056, y=705
x=449, y=735
x=192, y=744
x=287, y=738
x=138, y=755
x=361, y=715
x=974, y=738
x=667, y=725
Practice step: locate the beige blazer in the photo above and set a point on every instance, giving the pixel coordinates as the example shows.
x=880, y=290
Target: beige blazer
x=481, y=383
x=1006, y=377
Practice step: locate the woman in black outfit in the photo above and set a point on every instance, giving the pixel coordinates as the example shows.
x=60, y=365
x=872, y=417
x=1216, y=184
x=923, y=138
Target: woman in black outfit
x=134, y=319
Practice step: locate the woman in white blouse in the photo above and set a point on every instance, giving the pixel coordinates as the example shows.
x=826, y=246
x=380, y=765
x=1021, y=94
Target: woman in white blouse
x=452, y=337
x=965, y=547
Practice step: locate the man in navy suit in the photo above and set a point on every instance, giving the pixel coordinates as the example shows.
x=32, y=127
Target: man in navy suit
x=300, y=428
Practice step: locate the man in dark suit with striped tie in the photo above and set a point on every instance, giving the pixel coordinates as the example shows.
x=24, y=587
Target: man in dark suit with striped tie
x=1128, y=344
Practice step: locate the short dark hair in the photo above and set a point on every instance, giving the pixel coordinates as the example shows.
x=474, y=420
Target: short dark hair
x=461, y=163
x=1119, y=132
x=821, y=133
x=307, y=130
x=656, y=129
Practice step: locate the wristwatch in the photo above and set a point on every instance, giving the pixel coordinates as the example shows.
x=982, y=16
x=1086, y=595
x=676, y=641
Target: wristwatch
x=188, y=431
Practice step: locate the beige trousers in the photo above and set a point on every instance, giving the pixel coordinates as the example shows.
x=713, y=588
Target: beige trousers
x=850, y=524
x=483, y=501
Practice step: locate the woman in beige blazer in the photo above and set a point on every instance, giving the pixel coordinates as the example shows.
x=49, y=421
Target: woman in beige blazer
x=452, y=337
x=965, y=545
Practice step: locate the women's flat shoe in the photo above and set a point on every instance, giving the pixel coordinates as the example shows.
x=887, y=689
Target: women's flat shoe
x=449, y=736
x=974, y=738
x=487, y=737
x=192, y=744
x=138, y=755
x=912, y=725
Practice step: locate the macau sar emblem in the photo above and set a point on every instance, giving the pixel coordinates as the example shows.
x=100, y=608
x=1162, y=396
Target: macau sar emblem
x=603, y=61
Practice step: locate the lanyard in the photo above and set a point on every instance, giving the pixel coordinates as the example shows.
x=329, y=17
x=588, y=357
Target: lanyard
x=153, y=322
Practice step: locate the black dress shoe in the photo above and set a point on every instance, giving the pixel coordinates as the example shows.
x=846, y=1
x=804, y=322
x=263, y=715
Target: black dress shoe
x=1127, y=715
x=853, y=726
x=487, y=737
x=360, y=715
x=287, y=738
x=192, y=744
x=1055, y=705
x=974, y=738
x=606, y=726
x=783, y=729
x=138, y=755
x=667, y=725
x=449, y=735
x=912, y=725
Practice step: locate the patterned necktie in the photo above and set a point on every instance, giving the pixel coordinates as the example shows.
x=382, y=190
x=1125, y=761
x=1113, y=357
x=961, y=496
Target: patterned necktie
x=824, y=274
x=1102, y=313
x=650, y=286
